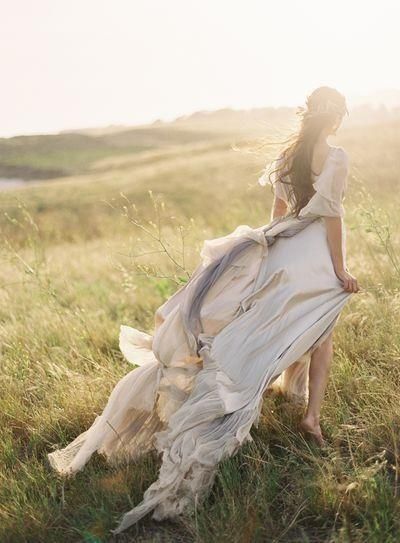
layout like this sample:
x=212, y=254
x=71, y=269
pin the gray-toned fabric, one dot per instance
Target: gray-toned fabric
x=205, y=277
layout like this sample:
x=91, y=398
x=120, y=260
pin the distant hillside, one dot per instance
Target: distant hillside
x=50, y=156
x=377, y=108
x=388, y=98
x=70, y=153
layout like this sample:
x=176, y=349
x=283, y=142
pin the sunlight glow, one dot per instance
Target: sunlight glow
x=68, y=64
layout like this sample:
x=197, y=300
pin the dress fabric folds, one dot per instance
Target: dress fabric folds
x=258, y=303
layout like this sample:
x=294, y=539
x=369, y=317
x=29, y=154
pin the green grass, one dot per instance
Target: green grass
x=50, y=156
x=69, y=278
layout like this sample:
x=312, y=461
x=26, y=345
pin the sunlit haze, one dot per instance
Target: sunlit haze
x=71, y=64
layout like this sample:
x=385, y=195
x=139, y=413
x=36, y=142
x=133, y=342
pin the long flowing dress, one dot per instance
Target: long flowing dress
x=259, y=302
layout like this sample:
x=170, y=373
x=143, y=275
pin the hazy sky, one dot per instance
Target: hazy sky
x=78, y=63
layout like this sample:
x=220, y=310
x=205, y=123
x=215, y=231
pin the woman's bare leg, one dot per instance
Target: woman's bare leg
x=320, y=364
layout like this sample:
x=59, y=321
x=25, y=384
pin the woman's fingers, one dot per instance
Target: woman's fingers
x=350, y=283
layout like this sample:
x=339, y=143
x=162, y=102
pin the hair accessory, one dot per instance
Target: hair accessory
x=324, y=108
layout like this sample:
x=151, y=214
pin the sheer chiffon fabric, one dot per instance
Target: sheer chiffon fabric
x=259, y=302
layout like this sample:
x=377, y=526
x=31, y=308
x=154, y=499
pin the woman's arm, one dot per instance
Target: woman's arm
x=279, y=208
x=334, y=227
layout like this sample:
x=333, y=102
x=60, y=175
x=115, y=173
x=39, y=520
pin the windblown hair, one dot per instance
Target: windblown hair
x=323, y=107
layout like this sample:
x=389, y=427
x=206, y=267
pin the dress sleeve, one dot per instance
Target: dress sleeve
x=280, y=189
x=330, y=189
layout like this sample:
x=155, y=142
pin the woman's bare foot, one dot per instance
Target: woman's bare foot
x=311, y=428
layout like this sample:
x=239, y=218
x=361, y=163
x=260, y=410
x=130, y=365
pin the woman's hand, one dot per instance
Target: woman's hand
x=350, y=283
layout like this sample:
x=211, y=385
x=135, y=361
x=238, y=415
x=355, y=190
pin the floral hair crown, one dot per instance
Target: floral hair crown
x=327, y=107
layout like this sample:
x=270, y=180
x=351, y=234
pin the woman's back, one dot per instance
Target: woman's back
x=329, y=185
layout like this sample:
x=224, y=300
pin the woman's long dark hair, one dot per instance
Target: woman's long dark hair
x=324, y=106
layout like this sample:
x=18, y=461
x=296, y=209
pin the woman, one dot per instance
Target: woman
x=258, y=311
x=321, y=118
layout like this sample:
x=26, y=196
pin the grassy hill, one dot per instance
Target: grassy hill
x=85, y=253
x=68, y=153
x=49, y=156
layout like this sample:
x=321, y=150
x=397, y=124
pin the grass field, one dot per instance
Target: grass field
x=92, y=250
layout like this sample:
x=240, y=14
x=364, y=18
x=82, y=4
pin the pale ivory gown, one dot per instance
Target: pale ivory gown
x=260, y=300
